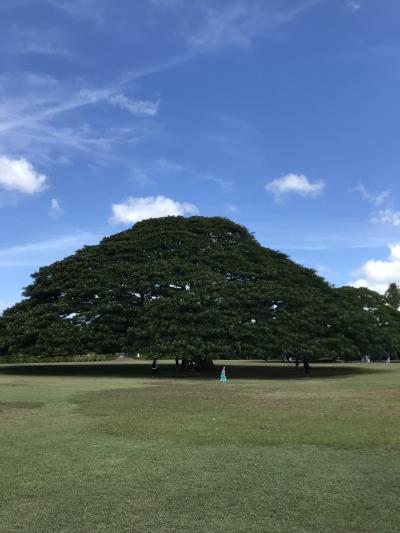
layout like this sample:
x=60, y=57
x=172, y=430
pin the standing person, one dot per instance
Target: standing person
x=223, y=375
x=307, y=367
x=154, y=367
x=177, y=362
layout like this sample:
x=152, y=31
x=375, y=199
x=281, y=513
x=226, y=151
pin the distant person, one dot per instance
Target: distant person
x=297, y=361
x=388, y=359
x=223, y=375
x=183, y=364
x=306, y=366
x=177, y=362
x=154, y=367
x=138, y=355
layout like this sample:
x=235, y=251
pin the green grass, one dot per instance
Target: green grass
x=105, y=447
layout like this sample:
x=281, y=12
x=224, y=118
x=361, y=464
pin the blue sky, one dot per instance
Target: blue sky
x=280, y=114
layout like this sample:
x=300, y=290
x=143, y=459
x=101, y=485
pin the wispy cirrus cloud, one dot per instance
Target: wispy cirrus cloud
x=41, y=116
x=210, y=25
x=225, y=185
x=239, y=22
x=353, y=5
x=166, y=165
x=43, y=252
x=136, y=107
x=374, y=198
x=24, y=41
x=85, y=10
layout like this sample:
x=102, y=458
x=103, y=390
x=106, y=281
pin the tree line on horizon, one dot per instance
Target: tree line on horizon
x=200, y=288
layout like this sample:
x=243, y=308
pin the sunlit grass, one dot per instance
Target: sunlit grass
x=184, y=453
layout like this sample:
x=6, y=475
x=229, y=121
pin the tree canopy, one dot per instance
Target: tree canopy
x=196, y=287
x=392, y=296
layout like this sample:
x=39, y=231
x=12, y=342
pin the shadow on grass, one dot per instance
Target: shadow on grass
x=143, y=370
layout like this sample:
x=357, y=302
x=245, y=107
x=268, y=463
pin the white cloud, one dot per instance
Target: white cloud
x=353, y=5
x=294, y=184
x=136, y=209
x=233, y=24
x=43, y=252
x=166, y=4
x=377, y=274
x=136, y=107
x=19, y=175
x=237, y=22
x=165, y=165
x=90, y=10
x=38, y=118
x=225, y=185
x=30, y=41
x=386, y=216
x=55, y=208
x=376, y=199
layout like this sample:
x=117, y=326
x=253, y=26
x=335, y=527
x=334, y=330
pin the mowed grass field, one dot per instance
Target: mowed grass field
x=106, y=447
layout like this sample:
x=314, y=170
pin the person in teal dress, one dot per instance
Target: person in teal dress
x=223, y=375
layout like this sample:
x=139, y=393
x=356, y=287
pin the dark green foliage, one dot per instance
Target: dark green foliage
x=195, y=287
x=392, y=296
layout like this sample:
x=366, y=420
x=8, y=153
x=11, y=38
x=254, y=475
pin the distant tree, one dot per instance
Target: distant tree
x=392, y=296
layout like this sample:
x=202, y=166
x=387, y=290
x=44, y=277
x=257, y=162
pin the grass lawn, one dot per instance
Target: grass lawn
x=106, y=447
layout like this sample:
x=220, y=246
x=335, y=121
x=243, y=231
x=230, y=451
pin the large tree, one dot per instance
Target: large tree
x=196, y=287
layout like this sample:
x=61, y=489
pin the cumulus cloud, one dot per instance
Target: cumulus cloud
x=386, y=216
x=294, y=184
x=136, y=209
x=377, y=274
x=19, y=175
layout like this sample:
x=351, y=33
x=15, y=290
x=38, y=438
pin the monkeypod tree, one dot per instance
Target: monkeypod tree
x=193, y=287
